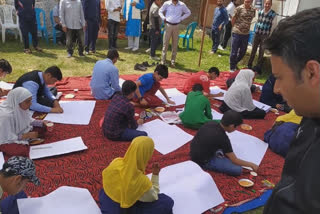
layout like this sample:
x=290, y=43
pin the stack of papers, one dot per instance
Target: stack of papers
x=175, y=95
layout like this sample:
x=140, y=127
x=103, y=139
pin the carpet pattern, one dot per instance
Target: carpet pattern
x=83, y=169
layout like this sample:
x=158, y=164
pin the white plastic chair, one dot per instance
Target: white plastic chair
x=8, y=23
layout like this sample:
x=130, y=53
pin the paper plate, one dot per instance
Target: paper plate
x=246, y=127
x=245, y=182
x=36, y=141
x=160, y=109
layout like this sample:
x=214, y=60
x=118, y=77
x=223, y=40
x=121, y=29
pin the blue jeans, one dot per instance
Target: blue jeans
x=155, y=41
x=163, y=205
x=238, y=49
x=215, y=35
x=9, y=204
x=220, y=163
x=130, y=134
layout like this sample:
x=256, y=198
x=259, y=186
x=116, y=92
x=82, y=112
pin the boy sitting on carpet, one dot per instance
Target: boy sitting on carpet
x=211, y=147
x=14, y=176
x=148, y=85
x=203, y=78
x=119, y=123
x=197, y=110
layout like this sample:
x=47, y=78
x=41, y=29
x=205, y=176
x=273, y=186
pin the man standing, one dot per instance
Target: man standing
x=113, y=8
x=263, y=29
x=5, y=68
x=36, y=82
x=294, y=47
x=230, y=9
x=172, y=12
x=155, y=31
x=105, y=77
x=241, y=23
x=57, y=23
x=73, y=24
x=27, y=23
x=132, y=14
x=91, y=10
x=220, y=18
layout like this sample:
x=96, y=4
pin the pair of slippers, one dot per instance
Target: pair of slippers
x=143, y=67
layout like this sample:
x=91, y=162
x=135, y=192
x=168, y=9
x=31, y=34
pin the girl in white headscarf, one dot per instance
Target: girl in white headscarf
x=239, y=98
x=16, y=123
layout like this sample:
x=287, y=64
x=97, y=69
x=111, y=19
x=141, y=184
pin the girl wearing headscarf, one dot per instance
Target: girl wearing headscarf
x=126, y=188
x=16, y=123
x=239, y=98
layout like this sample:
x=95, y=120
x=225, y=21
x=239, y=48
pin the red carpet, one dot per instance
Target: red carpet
x=83, y=169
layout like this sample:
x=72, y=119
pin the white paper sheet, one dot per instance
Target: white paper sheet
x=6, y=86
x=64, y=200
x=168, y=139
x=258, y=104
x=192, y=189
x=247, y=147
x=175, y=95
x=57, y=148
x=121, y=81
x=1, y=160
x=74, y=112
x=216, y=115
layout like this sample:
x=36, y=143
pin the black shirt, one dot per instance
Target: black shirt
x=210, y=138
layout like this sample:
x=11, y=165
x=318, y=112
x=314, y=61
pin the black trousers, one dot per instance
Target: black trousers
x=45, y=101
x=113, y=29
x=257, y=113
x=26, y=27
x=63, y=34
x=155, y=41
x=227, y=34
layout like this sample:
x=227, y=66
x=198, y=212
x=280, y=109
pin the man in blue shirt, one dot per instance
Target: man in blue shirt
x=220, y=18
x=148, y=85
x=36, y=82
x=91, y=9
x=105, y=77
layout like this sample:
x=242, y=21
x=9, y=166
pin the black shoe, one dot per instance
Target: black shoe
x=139, y=67
x=146, y=64
x=81, y=54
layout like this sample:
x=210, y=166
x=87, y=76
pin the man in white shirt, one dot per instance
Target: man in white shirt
x=173, y=12
x=230, y=9
x=113, y=8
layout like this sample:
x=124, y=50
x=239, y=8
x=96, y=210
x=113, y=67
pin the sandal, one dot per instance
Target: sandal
x=27, y=51
x=38, y=49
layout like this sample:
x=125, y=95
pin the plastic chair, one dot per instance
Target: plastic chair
x=54, y=33
x=8, y=23
x=41, y=24
x=189, y=34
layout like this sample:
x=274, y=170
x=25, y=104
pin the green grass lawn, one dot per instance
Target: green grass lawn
x=12, y=51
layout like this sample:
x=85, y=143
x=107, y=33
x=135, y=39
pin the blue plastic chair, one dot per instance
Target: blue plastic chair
x=41, y=26
x=189, y=34
x=54, y=33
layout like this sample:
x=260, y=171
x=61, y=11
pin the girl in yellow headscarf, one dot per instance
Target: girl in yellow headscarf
x=127, y=189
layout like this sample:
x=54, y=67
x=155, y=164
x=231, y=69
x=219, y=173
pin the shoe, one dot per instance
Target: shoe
x=231, y=71
x=69, y=55
x=148, y=50
x=135, y=49
x=128, y=48
x=139, y=67
x=86, y=52
x=211, y=52
x=81, y=54
x=220, y=48
x=155, y=58
x=38, y=49
x=93, y=51
x=173, y=64
x=27, y=51
x=146, y=64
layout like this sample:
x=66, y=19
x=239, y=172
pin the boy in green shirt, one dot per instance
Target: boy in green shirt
x=197, y=110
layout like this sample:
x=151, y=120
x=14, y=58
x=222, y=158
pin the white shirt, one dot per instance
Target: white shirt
x=110, y=6
x=230, y=9
x=174, y=13
x=71, y=14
